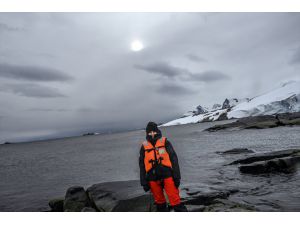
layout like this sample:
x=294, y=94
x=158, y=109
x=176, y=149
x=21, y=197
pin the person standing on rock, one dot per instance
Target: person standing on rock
x=159, y=170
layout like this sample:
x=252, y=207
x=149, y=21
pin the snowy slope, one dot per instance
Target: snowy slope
x=281, y=100
x=210, y=116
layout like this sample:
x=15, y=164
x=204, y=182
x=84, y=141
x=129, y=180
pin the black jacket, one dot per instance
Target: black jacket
x=161, y=171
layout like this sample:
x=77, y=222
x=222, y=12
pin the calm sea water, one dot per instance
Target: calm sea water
x=33, y=173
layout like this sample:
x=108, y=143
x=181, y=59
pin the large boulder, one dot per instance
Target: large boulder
x=76, y=199
x=120, y=196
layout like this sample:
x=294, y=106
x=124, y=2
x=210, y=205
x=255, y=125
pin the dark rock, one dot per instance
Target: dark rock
x=284, y=165
x=223, y=116
x=205, y=198
x=226, y=104
x=88, y=209
x=121, y=196
x=236, y=151
x=76, y=199
x=207, y=119
x=289, y=118
x=225, y=205
x=260, y=122
x=266, y=156
x=57, y=205
x=195, y=208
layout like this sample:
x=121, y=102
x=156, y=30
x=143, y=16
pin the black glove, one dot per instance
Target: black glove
x=146, y=187
x=177, y=182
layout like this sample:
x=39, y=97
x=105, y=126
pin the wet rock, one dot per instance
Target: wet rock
x=57, y=205
x=284, y=165
x=121, y=196
x=88, y=209
x=205, y=198
x=225, y=205
x=267, y=156
x=76, y=199
x=195, y=208
x=236, y=151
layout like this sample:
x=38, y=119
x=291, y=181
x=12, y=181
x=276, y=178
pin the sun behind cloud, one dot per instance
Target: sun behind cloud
x=136, y=46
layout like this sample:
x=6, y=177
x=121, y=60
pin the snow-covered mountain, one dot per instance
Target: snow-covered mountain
x=284, y=99
x=281, y=100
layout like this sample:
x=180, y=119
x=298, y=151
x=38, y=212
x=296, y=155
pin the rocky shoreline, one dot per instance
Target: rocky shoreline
x=128, y=196
x=260, y=122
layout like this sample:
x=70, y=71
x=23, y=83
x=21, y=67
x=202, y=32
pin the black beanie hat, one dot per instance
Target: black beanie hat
x=151, y=126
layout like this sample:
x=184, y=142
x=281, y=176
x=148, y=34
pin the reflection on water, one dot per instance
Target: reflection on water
x=33, y=173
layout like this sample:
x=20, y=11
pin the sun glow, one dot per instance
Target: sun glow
x=136, y=46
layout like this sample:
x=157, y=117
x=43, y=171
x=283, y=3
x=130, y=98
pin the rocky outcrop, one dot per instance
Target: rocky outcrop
x=128, y=196
x=267, y=156
x=284, y=161
x=236, y=151
x=260, y=122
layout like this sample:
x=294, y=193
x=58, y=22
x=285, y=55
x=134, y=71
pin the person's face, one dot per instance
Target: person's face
x=152, y=133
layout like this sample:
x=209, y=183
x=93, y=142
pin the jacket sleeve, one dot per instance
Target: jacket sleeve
x=174, y=160
x=143, y=179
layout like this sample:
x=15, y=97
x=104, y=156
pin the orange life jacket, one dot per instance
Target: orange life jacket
x=156, y=154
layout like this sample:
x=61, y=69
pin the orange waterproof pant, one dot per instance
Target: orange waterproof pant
x=170, y=189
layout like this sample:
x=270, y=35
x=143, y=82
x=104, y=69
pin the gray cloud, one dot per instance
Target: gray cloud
x=174, y=89
x=110, y=92
x=32, y=73
x=195, y=58
x=210, y=76
x=296, y=57
x=165, y=69
x=31, y=90
x=5, y=27
x=47, y=110
x=162, y=68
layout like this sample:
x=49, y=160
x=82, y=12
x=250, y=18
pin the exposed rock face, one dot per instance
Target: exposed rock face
x=216, y=106
x=236, y=151
x=200, y=110
x=280, y=161
x=76, y=199
x=289, y=118
x=260, y=122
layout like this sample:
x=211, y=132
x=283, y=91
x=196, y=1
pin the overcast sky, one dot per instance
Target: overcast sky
x=64, y=73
